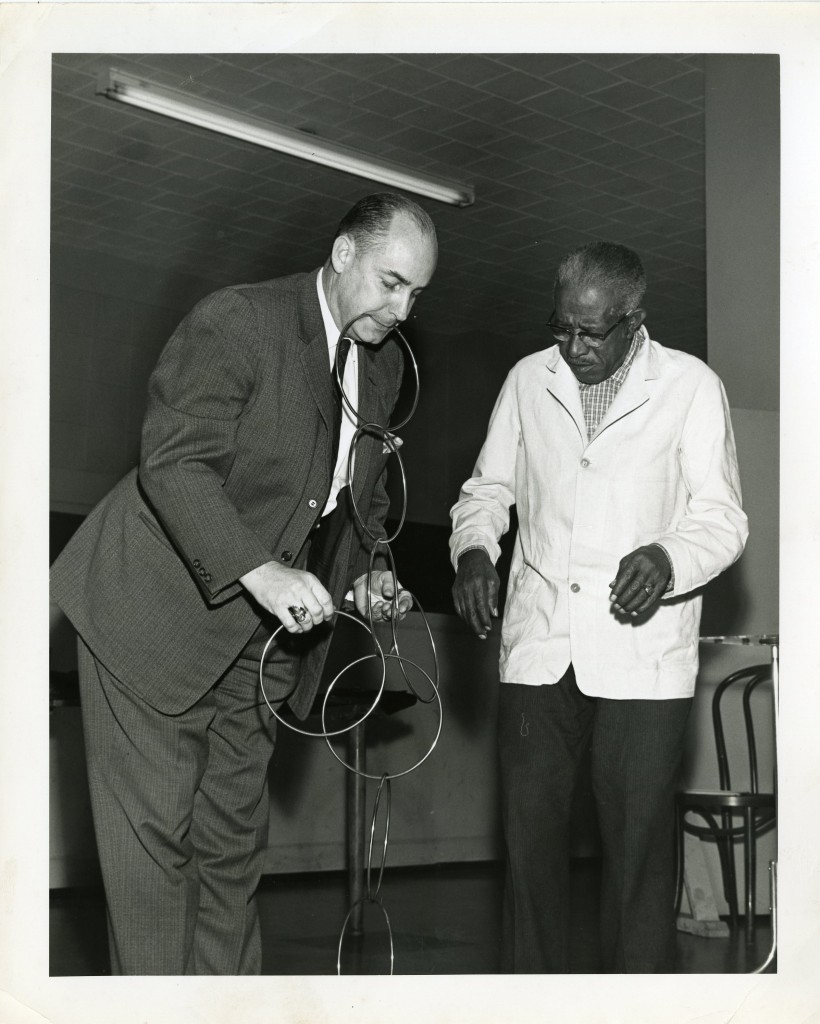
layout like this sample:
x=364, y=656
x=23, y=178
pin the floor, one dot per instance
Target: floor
x=444, y=920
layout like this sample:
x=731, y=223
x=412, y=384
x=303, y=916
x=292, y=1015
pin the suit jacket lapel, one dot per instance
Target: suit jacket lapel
x=314, y=355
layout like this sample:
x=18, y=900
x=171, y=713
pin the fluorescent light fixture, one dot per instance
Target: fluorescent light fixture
x=126, y=88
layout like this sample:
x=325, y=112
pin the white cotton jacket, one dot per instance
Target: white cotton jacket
x=661, y=467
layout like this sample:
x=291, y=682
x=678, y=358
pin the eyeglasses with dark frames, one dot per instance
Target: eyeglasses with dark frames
x=562, y=333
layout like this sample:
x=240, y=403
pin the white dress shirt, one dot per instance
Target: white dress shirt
x=350, y=384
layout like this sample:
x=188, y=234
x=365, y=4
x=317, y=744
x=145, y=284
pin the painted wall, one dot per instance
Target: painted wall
x=109, y=321
x=742, y=258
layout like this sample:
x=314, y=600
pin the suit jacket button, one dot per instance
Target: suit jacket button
x=202, y=572
x=197, y=563
x=207, y=577
x=286, y=556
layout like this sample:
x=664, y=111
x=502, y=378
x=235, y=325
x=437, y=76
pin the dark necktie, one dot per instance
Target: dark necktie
x=343, y=349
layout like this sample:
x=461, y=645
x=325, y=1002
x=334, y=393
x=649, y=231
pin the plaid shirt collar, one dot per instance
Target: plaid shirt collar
x=597, y=398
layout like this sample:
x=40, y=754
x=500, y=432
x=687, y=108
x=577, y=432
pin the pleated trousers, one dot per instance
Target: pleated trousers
x=636, y=745
x=180, y=807
x=180, y=802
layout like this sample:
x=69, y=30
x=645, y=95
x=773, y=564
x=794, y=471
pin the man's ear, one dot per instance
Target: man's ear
x=342, y=253
x=636, y=318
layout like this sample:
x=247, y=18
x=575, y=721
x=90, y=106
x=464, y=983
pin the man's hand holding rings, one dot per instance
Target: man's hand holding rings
x=294, y=596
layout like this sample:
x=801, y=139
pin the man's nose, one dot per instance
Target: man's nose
x=400, y=307
x=576, y=346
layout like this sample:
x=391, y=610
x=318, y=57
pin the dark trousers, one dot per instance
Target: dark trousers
x=180, y=802
x=636, y=750
x=180, y=806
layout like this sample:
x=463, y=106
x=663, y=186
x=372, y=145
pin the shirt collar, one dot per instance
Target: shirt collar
x=619, y=376
x=331, y=330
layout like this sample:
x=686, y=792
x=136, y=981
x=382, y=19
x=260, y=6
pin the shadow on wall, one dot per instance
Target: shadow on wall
x=725, y=603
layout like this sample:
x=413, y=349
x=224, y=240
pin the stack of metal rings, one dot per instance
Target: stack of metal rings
x=380, y=547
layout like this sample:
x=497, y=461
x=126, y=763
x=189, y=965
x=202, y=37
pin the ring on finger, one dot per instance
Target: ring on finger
x=298, y=612
x=648, y=588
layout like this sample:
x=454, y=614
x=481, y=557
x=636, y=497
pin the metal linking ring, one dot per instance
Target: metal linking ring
x=376, y=901
x=351, y=725
x=384, y=436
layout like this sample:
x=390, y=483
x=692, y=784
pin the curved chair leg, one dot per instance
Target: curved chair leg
x=724, y=849
x=730, y=877
x=750, y=868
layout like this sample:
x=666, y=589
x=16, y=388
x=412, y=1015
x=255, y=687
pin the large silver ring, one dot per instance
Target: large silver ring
x=648, y=589
x=300, y=613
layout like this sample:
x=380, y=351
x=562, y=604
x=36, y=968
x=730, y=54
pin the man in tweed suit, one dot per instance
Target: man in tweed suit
x=237, y=519
x=619, y=456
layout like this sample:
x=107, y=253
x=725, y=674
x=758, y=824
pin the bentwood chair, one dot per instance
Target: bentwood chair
x=730, y=815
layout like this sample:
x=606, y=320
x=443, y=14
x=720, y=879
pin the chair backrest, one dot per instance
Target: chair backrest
x=749, y=678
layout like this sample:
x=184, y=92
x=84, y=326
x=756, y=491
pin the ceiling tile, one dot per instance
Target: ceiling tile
x=492, y=109
x=624, y=95
x=535, y=179
x=279, y=96
x=575, y=140
x=450, y=95
x=536, y=126
x=343, y=88
x=651, y=69
x=599, y=117
x=515, y=86
x=228, y=80
x=365, y=66
x=479, y=133
x=558, y=102
x=584, y=78
x=440, y=119
x=692, y=127
x=389, y=102
x=541, y=65
x=688, y=87
x=324, y=116
x=648, y=168
x=456, y=154
x=663, y=111
x=607, y=60
x=613, y=154
x=640, y=134
x=470, y=69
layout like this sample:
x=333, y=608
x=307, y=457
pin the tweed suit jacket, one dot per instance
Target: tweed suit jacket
x=235, y=469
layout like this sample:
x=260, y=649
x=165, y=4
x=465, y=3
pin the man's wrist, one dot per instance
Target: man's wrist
x=671, y=584
x=472, y=547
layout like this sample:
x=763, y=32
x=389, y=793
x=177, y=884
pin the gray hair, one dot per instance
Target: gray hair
x=607, y=265
x=369, y=220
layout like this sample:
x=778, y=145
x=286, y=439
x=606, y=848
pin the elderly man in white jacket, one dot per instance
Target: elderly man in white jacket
x=619, y=456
